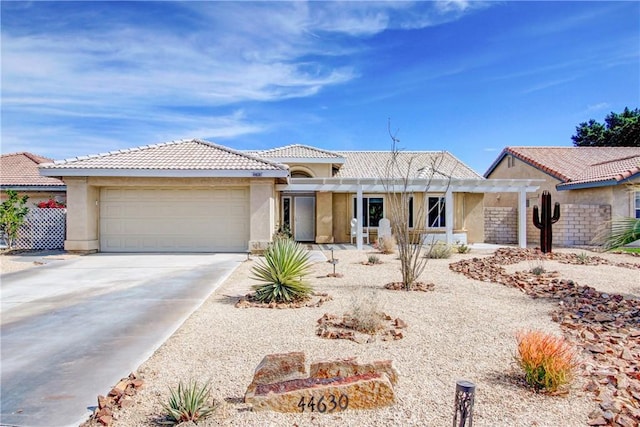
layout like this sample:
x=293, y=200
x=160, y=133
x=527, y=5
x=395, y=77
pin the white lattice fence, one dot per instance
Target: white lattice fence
x=43, y=228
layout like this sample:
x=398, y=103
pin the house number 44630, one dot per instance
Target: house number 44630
x=322, y=405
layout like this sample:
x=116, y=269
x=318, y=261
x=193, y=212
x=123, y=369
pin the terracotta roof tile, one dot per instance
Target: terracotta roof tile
x=418, y=164
x=176, y=155
x=21, y=169
x=573, y=165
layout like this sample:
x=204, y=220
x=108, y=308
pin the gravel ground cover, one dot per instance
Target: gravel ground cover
x=463, y=329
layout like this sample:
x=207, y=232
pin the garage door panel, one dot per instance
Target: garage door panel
x=164, y=220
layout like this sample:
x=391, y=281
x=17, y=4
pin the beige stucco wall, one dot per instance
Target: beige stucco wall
x=324, y=217
x=341, y=225
x=316, y=170
x=520, y=170
x=473, y=217
x=262, y=199
x=83, y=212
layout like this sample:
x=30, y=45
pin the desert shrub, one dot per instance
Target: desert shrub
x=373, y=259
x=583, y=258
x=283, y=233
x=462, y=248
x=387, y=245
x=190, y=402
x=282, y=271
x=439, y=250
x=548, y=361
x=537, y=268
x=365, y=315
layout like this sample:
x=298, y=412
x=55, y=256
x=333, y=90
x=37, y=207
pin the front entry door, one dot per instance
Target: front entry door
x=304, y=213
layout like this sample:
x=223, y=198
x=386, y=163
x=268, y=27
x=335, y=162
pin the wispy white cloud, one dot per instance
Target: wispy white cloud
x=115, y=64
x=598, y=107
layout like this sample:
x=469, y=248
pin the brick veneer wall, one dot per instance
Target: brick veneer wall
x=577, y=226
x=500, y=225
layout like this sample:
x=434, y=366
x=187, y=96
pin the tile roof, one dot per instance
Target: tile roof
x=192, y=154
x=418, y=164
x=21, y=169
x=298, y=151
x=580, y=165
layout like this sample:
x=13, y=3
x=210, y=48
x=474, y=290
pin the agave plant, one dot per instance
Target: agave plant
x=188, y=403
x=282, y=271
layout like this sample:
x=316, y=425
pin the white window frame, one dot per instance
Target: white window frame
x=635, y=204
x=365, y=221
x=442, y=215
x=410, y=208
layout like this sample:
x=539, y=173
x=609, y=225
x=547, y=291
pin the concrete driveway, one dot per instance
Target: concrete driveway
x=71, y=329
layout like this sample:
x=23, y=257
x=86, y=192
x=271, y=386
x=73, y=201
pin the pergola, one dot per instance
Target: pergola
x=446, y=186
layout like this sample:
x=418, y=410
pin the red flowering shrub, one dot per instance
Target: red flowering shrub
x=51, y=203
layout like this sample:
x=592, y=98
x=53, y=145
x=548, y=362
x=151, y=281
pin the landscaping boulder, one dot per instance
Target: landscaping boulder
x=331, y=386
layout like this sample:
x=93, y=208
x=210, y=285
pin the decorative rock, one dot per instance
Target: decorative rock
x=625, y=421
x=349, y=367
x=599, y=421
x=118, y=397
x=605, y=325
x=331, y=387
x=277, y=368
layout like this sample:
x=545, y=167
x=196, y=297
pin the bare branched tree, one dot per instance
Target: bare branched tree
x=407, y=212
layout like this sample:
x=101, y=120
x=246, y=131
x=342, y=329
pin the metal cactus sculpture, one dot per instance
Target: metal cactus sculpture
x=544, y=221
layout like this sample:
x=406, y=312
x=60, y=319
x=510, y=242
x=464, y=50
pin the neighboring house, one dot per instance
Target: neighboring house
x=19, y=172
x=196, y=196
x=42, y=228
x=592, y=185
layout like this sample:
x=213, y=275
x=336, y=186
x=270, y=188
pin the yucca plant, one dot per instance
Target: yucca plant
x=285, y=265
x=188, y=402
x=548, y=361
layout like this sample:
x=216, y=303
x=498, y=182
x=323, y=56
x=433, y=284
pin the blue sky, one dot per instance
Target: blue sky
x=469, y=77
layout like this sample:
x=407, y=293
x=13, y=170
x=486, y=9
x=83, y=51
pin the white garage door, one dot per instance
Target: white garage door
x=174, y=220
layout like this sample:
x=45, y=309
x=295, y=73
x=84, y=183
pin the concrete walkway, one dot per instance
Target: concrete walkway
x=71, y=329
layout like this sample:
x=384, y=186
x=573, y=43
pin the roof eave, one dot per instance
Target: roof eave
x=164, y=173
x=595, y=184
x=18, y=187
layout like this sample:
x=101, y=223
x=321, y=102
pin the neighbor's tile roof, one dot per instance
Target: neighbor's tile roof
x=298, y=151
x=412, y=164
x=581, y=165
x=21, y=169
x=190, y=154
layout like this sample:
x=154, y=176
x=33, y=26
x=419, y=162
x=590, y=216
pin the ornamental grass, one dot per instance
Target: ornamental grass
x=548, y=361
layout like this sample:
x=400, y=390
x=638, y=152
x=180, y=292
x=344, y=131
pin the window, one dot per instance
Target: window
x=637, y=210
x=286, y=213
x=410, y=211
x=436, y=212
x=372, y=210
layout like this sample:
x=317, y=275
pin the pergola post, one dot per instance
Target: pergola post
x=522, y=218
x=359, y=218
x=448, y=215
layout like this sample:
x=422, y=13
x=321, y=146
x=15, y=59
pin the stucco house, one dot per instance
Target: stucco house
x=197, y=196
x=19, y=172
x=592, y=185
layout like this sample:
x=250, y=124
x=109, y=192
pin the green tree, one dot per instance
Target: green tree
x=12, y=213
x=618, y=130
